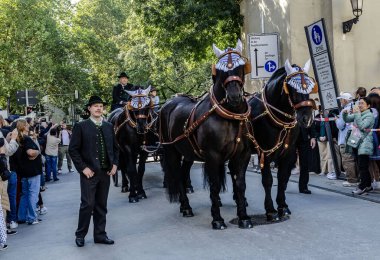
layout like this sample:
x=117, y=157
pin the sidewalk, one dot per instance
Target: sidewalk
x=321, y=182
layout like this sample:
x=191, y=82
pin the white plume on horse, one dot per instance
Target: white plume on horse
x=140, y=97
x=237, y=60
x=296, y=81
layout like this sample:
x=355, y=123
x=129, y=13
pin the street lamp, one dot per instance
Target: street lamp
x=357, y=10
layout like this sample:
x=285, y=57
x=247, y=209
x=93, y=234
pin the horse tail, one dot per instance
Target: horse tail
x=221, y=178
x=172, y=177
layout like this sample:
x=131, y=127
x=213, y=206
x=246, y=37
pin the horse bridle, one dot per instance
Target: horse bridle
x=247, y=67
x=286, y=126
x=304, y=103
x=128, y=119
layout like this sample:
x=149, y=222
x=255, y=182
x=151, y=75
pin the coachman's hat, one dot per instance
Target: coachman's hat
x=123, y=75
x=95, y=100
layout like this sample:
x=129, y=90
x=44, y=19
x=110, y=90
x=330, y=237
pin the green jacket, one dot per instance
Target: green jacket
x=363, y=121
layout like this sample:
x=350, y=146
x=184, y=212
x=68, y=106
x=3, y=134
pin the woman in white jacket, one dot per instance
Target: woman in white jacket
x=7, y=149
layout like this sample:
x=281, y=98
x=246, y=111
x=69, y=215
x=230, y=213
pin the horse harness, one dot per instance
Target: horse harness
x=284, y=136
x=191, y=124
x=129, y=120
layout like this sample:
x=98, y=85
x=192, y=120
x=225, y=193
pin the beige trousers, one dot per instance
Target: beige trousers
x=327, y=164
x=349, y=165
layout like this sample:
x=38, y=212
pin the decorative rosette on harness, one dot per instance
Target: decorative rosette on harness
x=299, y=80
x=140, y=99
x=230, y=58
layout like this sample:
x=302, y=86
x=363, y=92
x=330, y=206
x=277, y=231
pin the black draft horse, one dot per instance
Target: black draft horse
x=210, y=130
x=276, y=117
x=133, y=126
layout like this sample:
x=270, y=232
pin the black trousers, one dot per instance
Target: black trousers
x=303, y=149
x=94, y=195
x=365, y=176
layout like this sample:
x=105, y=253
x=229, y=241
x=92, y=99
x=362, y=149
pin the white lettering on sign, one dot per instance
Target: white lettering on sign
x=322, y=66
x=263, y=55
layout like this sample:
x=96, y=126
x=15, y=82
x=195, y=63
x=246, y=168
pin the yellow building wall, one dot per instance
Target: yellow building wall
x=356, y=55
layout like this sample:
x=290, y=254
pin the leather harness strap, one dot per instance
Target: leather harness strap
x=129, y=120
x=306, y=103
x=233, y=78
x=191, y=125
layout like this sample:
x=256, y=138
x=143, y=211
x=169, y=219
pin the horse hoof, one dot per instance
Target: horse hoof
x=133, y=199
x=142, y=195
x=218, y=225
x=189, y=190
x=284, y=212
x=245, y=223
x=273, y=217
x=124, y=189
x=287, y=211
x=187, y=213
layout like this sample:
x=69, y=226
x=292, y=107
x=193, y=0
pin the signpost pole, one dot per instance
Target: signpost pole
x=26, y=102
x=325, y=75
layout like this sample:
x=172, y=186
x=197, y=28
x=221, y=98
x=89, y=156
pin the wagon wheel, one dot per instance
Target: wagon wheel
x=115, y=179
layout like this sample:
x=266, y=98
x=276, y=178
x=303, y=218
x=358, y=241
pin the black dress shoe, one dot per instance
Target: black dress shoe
x=305, y=191
x=79, y=241
x=105, y=241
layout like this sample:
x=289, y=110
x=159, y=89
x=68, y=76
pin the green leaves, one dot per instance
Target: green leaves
x=56, y=48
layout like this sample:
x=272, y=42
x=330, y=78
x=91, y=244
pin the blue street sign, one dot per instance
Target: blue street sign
x=317, y=35
x=270, y=66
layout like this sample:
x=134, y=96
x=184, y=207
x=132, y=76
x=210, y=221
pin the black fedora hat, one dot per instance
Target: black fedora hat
x=95, y=100
x=123, y=74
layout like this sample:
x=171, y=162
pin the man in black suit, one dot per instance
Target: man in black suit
x=119, y=94
x=95, y=155
x=305, y=142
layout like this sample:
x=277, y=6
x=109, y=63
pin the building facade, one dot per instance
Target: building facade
x=356, y=54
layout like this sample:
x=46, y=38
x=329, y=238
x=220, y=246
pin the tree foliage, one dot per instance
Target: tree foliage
x=56, y=47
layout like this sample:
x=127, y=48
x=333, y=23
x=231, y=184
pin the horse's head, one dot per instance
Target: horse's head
x=298, y=85
x=140, y=106
x=229, y=71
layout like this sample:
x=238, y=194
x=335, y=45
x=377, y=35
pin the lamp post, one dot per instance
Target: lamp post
x=357, y=10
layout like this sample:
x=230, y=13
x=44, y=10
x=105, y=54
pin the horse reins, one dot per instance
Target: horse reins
x=190, y=125
x=130, y=121
x=286, y=126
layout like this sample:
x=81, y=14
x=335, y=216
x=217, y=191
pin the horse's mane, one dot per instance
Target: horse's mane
x=191, y=97
x=277, y=77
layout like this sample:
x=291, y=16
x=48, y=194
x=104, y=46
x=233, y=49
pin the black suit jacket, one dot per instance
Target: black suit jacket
x=83, y=145
x=117, y=93
x=306, y=134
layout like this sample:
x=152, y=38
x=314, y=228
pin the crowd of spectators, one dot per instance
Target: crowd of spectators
x=30, y=150
x=355, y=136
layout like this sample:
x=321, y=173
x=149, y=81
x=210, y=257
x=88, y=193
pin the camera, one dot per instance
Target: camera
x=4, y=172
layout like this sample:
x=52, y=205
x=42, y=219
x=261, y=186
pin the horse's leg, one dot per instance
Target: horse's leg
x=215, y=172
x=132, y=175
x=185, y=171
x=267, y=182
x=234, y=174
x=123, y=170
x=140, y=175
x=176, y=184
x=239, y=166
x=284, y=171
